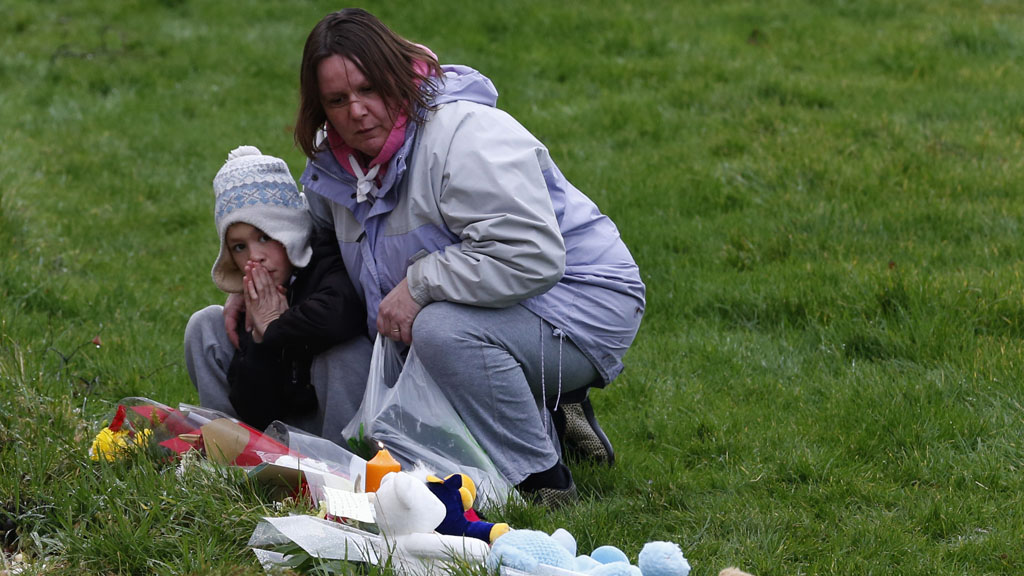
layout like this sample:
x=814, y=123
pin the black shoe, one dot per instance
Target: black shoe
x=552, y=488
x=553, y=497
x=580, y=434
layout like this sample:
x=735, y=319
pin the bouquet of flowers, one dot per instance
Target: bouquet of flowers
x=141, y=423
x=292, y=462
x=118, y=438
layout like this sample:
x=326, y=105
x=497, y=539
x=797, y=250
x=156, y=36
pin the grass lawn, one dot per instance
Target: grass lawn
x=824, y=197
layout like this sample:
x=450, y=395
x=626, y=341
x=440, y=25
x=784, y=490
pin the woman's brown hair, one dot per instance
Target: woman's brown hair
x=385, y=59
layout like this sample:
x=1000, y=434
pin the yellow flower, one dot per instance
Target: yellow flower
x=111, y=445
x=108, y=443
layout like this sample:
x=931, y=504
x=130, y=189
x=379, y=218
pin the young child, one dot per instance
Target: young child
x=298, y=300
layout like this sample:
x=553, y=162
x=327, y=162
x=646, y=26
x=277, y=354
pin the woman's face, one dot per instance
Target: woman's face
x=354, y=108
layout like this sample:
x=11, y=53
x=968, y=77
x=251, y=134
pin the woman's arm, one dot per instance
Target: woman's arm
x=495, y=198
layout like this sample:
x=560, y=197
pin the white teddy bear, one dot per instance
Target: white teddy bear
x=407, y=514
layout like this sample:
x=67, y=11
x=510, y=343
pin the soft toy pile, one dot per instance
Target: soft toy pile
x=426, y=533
x=535, y=552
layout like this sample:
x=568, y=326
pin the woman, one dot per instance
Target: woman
x=465, y=240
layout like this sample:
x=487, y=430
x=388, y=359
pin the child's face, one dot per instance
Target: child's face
x=248, y=243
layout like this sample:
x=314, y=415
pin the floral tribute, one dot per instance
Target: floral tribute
x=140, y=423
x=117, y=439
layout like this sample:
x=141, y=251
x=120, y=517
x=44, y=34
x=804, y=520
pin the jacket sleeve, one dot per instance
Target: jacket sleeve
x=327, y=309
x=256, y=382
x=493, y=195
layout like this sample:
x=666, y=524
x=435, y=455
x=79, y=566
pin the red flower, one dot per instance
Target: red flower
x=118, y=421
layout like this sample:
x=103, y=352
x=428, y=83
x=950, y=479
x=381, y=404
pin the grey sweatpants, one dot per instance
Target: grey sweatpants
x=338, y=374
x=495, y=365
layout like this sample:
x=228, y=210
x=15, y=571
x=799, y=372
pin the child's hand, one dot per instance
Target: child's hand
x=264, y=300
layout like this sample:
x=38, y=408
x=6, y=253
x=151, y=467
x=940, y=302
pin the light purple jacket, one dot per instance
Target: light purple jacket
x=473, y=210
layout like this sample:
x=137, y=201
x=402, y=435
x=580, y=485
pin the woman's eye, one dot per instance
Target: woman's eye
x=265, y=238
x=238, y=248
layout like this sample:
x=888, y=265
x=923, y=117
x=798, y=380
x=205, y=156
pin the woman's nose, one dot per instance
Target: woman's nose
x=357, y=109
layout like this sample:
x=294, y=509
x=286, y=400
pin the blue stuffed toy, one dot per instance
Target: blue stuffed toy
x=663, y=559
x=457, y=492
x=526, y=550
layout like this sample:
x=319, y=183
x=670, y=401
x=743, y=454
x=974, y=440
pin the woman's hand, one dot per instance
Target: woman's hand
x=264, y=300
x=396, y=313
x=234, y=308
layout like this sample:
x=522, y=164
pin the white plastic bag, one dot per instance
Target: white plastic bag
x=405, y=410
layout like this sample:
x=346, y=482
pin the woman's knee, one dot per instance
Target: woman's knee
x=436, y=326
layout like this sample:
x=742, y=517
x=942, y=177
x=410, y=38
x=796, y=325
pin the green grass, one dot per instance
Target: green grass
x=823, y=197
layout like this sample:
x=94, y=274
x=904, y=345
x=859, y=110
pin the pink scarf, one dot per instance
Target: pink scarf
x=342, y=150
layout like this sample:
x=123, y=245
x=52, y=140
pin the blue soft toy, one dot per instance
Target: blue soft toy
x=609, y=554
x=663, y=559
x=457, y=492
x=615, y=569
x=526, y=550
x=606, y=561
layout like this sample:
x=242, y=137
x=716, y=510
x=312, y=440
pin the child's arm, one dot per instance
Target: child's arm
x=257, y=379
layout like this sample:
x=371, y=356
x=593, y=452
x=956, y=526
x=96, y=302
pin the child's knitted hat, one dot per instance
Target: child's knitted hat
x=260, y=191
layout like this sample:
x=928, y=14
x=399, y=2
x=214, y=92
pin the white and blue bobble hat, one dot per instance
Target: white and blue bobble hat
x=260, y=191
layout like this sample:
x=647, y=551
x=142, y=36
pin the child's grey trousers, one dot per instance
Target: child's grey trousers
x=338, y=374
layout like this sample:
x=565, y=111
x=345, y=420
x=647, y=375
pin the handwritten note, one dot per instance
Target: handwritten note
x=347, y=504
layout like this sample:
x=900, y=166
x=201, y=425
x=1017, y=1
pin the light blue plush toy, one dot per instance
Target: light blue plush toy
x=526, y=550
x=663, y=559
